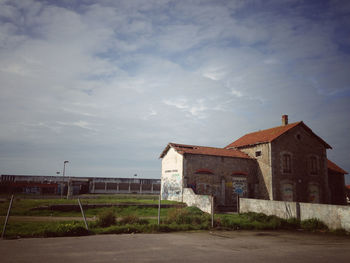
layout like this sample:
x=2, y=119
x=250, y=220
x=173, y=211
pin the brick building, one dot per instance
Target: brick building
x=286, y=163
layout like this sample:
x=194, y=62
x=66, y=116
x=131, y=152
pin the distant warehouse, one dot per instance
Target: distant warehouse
x=56, y=185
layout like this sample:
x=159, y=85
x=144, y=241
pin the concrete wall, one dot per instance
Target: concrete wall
x=172, y=176
x=334, y=216
x=203, y=202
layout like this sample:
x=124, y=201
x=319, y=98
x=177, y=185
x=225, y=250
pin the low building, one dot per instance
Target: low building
x=285, y=163
x=58, y=185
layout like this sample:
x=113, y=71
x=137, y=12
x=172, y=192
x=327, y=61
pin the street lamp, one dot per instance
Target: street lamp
x=58, y=173
x=64, y=170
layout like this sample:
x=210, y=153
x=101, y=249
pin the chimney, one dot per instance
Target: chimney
x=284, y=120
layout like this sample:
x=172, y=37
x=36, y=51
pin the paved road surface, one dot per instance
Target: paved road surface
x=218, y=246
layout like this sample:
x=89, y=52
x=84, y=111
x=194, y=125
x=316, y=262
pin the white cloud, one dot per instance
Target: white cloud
x=109, y=76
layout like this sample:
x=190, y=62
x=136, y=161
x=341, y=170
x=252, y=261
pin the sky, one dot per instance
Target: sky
x=107, y=84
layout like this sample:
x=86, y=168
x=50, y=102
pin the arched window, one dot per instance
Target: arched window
x=286, y=163
x=204, y=171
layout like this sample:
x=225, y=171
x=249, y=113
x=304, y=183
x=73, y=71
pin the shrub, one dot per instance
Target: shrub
x=313, y=224
x=106, y=218
x=132, y=219
x=188, y=215
x=66, y=229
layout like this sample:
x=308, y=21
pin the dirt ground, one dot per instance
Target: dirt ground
x=205, y=246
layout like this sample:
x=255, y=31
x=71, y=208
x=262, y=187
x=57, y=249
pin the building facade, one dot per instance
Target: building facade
x=285, y=163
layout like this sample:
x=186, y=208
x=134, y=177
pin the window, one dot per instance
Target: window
x=314, y=193
x=257, y=153
x=313, y=165
x=286, y=163
x=287, y=192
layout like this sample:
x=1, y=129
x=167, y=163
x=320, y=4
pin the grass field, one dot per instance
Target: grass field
x=23, y=206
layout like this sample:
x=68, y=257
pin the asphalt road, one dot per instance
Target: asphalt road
x=217, y=246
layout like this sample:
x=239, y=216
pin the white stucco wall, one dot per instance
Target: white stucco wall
x=334, y=216
x=172, y=176
x=203, y=202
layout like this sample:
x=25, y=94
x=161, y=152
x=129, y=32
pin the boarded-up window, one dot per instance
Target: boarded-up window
x=313, y=165
x=286, y=163
x=287, y=192
x=314, y=193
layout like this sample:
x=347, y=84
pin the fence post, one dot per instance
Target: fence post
x=238, y=204
x=212, y=211
x=159, y=210
x=7, y=217
x=82, y=212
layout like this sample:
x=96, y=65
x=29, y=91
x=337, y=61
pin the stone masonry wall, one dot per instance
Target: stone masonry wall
x=264, y=168
x=301, y=146
x=219, y=183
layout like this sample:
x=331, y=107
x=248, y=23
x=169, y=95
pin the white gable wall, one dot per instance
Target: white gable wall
x=172, y=176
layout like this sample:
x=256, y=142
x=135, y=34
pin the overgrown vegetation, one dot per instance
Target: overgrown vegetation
x=188, y=215
x=133, y=219
x=45, y=229
x=106, y=218
x=313, y=224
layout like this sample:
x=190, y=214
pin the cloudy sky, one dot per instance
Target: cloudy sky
x=107, y=84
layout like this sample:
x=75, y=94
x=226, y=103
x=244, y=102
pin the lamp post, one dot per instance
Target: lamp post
x=64, y=170
x=58, y=173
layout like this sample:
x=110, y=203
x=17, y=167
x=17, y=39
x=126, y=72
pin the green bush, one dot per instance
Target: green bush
x=106, y=218
x=313, y=224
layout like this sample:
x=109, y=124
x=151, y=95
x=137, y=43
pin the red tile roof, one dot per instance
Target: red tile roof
x=332, y=166
x=269, y=135
x=193, y=149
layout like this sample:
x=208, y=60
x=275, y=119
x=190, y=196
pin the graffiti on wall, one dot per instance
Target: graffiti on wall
x=287, y=192
x=314, y=195
x=239, y=186
x=171, y=186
